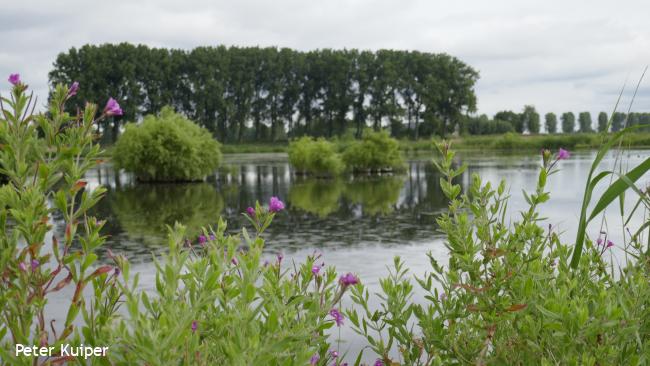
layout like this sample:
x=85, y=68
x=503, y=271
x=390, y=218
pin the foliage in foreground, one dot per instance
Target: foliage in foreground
x=214, y=302
x=508, y=294
x=167, y=147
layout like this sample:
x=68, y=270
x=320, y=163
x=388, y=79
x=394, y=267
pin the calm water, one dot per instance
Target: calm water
x=358, y=224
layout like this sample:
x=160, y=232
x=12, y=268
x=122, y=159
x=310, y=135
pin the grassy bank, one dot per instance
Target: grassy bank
x=482, y=143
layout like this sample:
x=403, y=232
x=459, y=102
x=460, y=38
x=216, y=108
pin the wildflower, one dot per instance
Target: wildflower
x=314, y=359
x=443, y=296
x=348, y=279
x=74, y=88
x=315, y=269
x=266, y=263
x=599, y=241
x=212, y=237
x=275, y=205
x=338, y=318
x=334, y=354
x=22, y=266
x=195, y=325
x=379, y=362
x=35, y=263
x=117, y=271
x=112, y=108
x=563, y=154
x=14, y=79
x=250, y=211
x=609, y=244
x=280, y=257
x=202, y=239
x=234, y=261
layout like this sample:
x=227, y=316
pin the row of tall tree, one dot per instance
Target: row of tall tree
x=529, y=121
x=253, y=94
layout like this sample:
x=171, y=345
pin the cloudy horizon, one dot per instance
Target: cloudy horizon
x=558, y=56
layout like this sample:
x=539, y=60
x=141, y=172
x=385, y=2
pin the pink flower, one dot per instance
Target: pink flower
x=609, y=244
x=14, y=79
x=74, y=88
x=334, y=354
x=250, y=211
x=314, y=359
x=563, y=154
x=315, y=269
x=379, y=362
x=275, y=205
x=234, y=261
x=112, y=108
x=22, y=266
x=599, y=241
x=35, y=263
x=202, y=239
x=338, y=318
x=195, y=326
x=348, y=279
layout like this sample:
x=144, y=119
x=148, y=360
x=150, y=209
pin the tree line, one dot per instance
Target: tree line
x=529, y=121
x=266, y=94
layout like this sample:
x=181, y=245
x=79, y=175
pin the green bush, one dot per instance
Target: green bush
x=376, y=151
x=166, y=148
x=317, y=157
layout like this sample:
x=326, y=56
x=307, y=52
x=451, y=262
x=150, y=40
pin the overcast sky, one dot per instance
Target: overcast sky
x=557, y=55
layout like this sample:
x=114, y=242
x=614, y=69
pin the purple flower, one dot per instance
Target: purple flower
x=195, y=326
x=599, y=241
x=338, y=318
x=348, y=279
x=22, y=266
x=74, y=88
x=202, y=239
x=117, y=271
x=379, y=362
x=35, y=263
x=563, y=154
x=334, y=353
x=250, y=211
x=314, y=359
x=609, y=244
x=212, y=237
x=280, y=257
x=275, y=205
x=443, y=296
x=14, y=79
x=234, y=261
x=315, y=269
x=112, y=108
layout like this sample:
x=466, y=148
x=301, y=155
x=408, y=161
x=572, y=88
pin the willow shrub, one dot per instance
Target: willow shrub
x=508, y=294
x=315, y=157
x=166, y=148
x=375, y=152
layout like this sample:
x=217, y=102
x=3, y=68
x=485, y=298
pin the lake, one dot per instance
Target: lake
x=357, y=224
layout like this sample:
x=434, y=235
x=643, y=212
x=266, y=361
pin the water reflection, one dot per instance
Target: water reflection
x=144, y=211
x=322, y=213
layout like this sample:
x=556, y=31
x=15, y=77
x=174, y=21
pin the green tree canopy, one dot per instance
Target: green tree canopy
x=550, y=122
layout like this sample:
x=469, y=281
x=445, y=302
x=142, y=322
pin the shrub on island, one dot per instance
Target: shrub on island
x=316, y=157
x=376, y=152
x=167, y=148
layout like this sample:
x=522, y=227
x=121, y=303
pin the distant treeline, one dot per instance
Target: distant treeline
x=529, y=121
x=266, y=94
